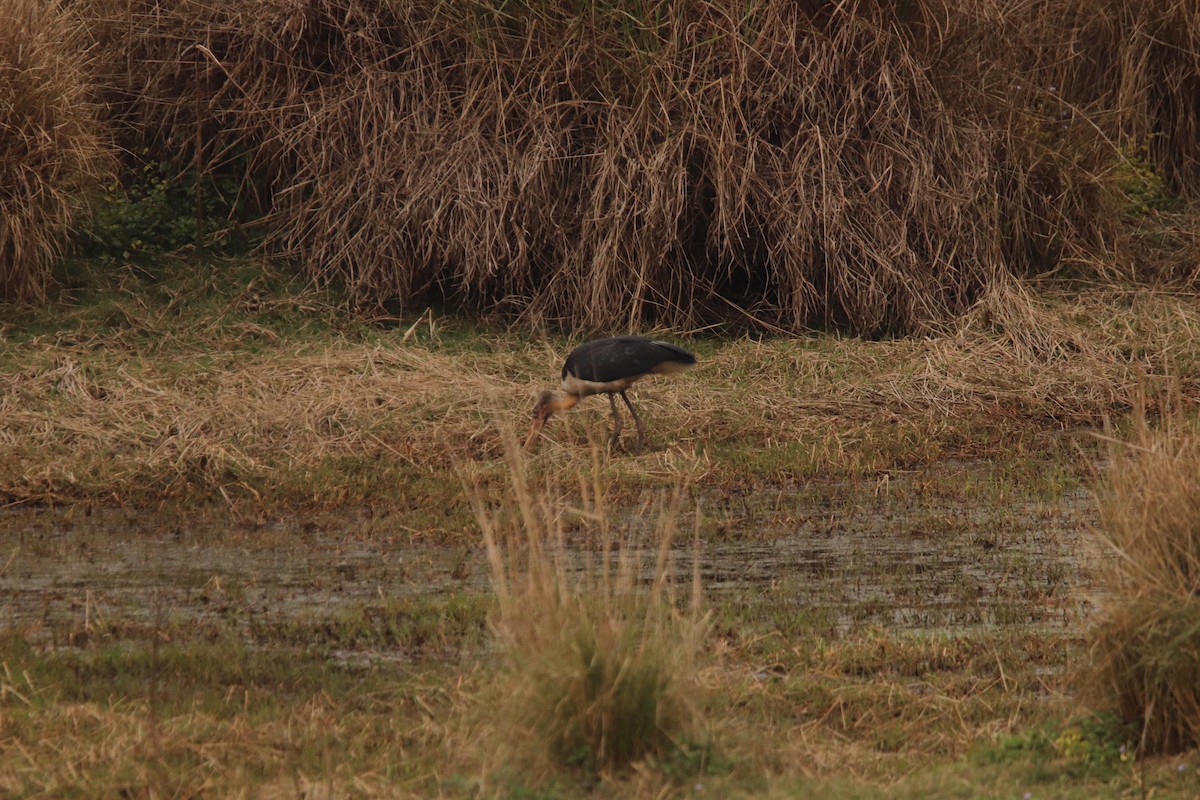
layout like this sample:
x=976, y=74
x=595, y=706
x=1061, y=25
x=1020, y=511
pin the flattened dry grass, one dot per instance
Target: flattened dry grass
x=870, y=707
x=142, y=396
x=229, y=422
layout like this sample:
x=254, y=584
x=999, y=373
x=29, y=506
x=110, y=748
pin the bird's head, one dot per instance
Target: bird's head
x=542, y=411
x=547, y=405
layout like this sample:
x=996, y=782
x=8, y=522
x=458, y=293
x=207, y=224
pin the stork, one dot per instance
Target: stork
x=609, y=366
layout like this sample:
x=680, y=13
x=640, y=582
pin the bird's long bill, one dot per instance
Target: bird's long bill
x=535, y=430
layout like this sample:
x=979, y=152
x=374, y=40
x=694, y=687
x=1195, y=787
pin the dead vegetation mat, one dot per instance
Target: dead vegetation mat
x=126, y=401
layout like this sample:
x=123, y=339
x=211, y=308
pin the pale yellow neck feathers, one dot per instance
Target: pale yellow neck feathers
x=562, y=403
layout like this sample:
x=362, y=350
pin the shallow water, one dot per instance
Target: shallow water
x=936, y=566
x=836, y=557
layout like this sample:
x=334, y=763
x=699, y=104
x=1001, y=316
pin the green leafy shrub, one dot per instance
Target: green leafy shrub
x=1143, y=188
x=153, y=211
x=1098, y=742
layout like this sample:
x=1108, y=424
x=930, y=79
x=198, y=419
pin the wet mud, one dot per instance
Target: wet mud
x=834, y=558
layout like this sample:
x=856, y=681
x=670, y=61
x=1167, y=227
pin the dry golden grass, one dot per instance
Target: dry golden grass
x=598, y=659
x=1147, y=646
x=126, y=746
x=51, y=146
x=1132, y=73
x=856, y=164
x=224, y=406
x=229, y=425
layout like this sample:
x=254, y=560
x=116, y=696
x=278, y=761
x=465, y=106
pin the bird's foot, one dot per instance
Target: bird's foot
x=635, y=449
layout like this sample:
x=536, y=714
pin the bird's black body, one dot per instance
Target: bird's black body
x=610, y=366
x=620, y=358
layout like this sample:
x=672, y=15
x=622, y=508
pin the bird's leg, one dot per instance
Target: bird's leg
x=616, y=434
x=637, y=420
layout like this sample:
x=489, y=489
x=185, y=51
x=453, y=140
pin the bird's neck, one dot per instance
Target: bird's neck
x=563, y=402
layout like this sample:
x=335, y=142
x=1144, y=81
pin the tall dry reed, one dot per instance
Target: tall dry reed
x=598, y=659
x=51, y=148
x=607, y=166
x=1147, y=647
x=1128, y=69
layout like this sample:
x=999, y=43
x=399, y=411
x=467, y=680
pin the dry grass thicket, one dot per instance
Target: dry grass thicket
x=51, y=150
x=1133, y=73
x=610, y=165
x=598, y=658
x=1147, y=648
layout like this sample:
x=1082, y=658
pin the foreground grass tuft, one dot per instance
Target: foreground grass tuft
x=1148, y=647
x=598, y=660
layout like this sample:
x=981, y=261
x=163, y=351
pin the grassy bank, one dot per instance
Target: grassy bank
x=870, y=716
x=244, y=559
x=227, y=383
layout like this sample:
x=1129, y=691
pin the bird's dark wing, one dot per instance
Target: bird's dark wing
x=677, y=353
x=604, y=360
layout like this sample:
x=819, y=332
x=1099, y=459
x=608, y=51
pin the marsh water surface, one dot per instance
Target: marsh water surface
x=895, y=556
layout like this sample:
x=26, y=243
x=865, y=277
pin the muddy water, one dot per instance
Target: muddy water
x=938, y=565
x=835, y=557
x=66, y=576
